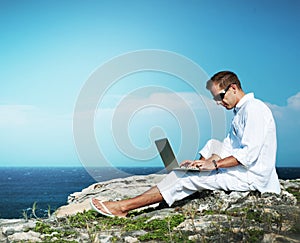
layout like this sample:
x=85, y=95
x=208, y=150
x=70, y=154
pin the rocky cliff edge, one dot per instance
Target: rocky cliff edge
x=209, y=216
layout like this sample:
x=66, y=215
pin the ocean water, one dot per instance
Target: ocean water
x=48, y=188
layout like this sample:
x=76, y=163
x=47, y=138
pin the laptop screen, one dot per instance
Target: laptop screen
x=166, y=154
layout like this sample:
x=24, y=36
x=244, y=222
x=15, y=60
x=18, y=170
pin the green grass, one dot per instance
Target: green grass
x=235, y=225
x=295, y=192
x=156, y=229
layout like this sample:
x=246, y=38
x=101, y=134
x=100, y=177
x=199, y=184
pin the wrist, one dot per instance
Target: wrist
x=215, y=164
x=216, y=157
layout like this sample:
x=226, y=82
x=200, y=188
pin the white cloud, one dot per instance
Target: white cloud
x=16, y=114
x=289, y=114
x=287, y=120
x=170, y=100
x=23, y=115
x=294, y=102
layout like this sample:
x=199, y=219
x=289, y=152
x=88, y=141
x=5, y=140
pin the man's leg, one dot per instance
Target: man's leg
x=175, y=186
x=121, y=208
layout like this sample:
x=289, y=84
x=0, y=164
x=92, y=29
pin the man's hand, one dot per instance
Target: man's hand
x=200, y=164
x=204, y=164
x=186, y=163
x=207, y=164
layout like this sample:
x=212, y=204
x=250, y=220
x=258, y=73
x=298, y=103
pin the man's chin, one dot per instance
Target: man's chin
x=227, y=107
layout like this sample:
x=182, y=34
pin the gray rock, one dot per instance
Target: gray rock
x=12, y=226
x=210, y=216
x=115, y=189
x=30, y=236
x=129, y=239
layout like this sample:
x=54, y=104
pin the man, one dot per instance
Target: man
x=244, y=161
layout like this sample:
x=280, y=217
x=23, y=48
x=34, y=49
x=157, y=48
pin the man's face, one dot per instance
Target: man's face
x=224, y=97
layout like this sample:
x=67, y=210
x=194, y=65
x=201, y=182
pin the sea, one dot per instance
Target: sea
x=39, y=191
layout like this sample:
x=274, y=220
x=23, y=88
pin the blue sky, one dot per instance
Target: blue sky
x=49, y=49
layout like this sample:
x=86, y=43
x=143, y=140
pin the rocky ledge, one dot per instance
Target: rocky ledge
x=209, y=216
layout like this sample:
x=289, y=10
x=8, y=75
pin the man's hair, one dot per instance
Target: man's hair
x=223, y=79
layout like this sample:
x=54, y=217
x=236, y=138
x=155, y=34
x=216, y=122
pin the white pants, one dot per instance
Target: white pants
x=180, y=184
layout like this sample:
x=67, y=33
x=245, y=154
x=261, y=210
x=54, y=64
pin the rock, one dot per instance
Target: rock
x=129, y=239
x=73, y=208
x=25, y=236
x=285, y=184
x=207, y=216
x=274, y=238
x=115, y=189
x=11, y=226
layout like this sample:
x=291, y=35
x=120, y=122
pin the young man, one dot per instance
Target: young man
x=244, y=161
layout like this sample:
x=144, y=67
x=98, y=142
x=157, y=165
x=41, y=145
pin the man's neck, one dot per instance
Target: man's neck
x=240, y=94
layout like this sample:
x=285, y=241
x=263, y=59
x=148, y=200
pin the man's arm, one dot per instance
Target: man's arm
x=219, y=163
x=227, y=162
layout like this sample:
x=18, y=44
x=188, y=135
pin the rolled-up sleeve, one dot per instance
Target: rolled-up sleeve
x=226, y=148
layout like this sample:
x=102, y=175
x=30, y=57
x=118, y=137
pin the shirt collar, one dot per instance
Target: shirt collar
x=242, y=101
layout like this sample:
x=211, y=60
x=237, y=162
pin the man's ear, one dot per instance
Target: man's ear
x=234, y=87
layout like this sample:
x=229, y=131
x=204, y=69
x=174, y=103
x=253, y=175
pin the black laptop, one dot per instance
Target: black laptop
x=167, y=155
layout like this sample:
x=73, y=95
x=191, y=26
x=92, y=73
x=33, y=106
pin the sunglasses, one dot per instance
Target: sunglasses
x=219, y=97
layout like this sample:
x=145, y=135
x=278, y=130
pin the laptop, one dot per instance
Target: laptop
x=166, y=153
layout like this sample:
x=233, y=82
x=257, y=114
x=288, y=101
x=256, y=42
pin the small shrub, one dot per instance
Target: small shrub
x=43, y=228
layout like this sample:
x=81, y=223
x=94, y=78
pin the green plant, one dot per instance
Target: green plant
x=247, y=223
x=34, y=207
x=253, y=214
x=80, y=220
x=295, y=192
x=52, y=234
x=157, y=229
x=43, y=228
x=255, y=235
x=49, y=211
x=161, y=229
x=25, y=215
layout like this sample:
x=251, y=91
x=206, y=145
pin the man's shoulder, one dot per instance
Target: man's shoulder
x=257, y=106
x=255, y=102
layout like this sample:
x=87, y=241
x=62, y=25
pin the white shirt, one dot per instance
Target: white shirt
x=252, y=141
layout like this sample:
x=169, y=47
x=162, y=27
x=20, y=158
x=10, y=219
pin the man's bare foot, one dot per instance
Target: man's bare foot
x=113, y=208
